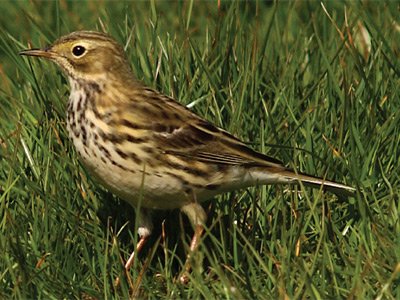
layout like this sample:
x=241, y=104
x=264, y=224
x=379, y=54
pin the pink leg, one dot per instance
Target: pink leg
x=139, y=247
x=197, y=217
x=144, y=231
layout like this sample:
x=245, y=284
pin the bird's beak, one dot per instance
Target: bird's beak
x=38, y=52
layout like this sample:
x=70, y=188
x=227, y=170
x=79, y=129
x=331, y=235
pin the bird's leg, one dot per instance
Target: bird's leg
x=142, y=241
x=144, y=231
x=197, y=217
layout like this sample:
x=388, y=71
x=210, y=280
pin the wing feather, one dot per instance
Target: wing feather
x=174, y=129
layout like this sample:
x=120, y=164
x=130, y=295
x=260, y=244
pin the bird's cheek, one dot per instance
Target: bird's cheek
x=97, y=66
x=85, y=67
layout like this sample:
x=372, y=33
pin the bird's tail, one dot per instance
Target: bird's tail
x=316, y=182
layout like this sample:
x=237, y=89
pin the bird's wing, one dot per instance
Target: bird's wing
x=176, y=130
x=204, y=142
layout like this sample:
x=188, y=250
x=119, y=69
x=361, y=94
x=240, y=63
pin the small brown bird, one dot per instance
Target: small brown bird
x=147, y=148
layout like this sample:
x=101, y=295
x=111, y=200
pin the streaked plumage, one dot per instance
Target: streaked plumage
x=137, y=141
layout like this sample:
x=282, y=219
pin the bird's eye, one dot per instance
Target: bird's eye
x=78, y=50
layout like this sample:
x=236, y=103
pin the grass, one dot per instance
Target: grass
x=294, y=74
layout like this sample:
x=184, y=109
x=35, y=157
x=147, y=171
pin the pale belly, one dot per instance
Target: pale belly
x=137, y=185
x=145, y=189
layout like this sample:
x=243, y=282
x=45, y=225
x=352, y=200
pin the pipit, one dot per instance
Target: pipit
x=147, y=148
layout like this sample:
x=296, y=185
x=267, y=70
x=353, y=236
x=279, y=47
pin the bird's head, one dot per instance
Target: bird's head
x=86, y=55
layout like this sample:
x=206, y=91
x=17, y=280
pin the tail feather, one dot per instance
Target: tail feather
x=316, y=182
